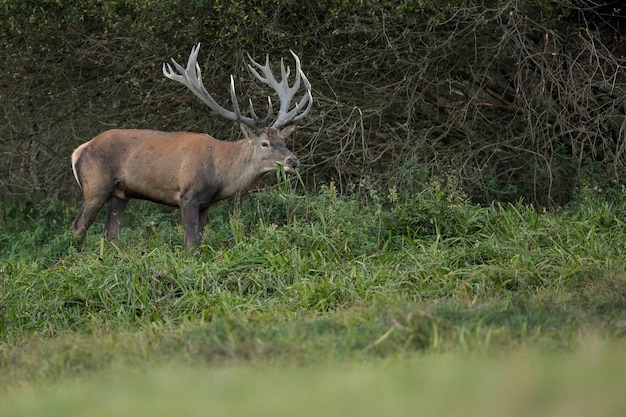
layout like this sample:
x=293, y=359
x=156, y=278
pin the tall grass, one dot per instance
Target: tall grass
x=307, y=278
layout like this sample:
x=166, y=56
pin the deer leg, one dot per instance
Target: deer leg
x=115, y=215
x=86, y=215
x=202, y=217
x=191, y=223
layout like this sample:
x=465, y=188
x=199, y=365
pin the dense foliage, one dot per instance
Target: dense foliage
x=305, y=279
x=513, y=99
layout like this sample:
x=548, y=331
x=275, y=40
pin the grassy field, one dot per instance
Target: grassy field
x=589, y=382
x=318, y=304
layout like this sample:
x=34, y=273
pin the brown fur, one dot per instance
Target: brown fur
x=191, y=171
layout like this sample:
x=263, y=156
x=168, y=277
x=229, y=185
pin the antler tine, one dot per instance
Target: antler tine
x=191, y=77
x=297, y=113
x=233, y=98
x=284, y=72
x=284, y=91
x=267, y=118
x=307, y=99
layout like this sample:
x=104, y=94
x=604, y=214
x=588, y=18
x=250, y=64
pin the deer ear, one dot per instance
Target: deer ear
x=287, y=130
x=247, y=131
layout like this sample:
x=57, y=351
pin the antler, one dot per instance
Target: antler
x=191, y=77
x=284, y=92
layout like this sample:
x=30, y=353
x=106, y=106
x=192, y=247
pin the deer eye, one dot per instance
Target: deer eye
x=265, y=144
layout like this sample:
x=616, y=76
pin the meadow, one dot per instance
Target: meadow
x=301, y=303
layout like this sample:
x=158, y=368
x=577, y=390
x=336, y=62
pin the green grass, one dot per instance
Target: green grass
x=523, y=383
x=301, y=287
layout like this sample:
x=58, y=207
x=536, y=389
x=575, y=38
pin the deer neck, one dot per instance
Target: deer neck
x=240, y=171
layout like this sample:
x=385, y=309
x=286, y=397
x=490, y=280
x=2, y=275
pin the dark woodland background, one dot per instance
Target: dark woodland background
x=507, y=100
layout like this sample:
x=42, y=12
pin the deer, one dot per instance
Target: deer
x=191, y=171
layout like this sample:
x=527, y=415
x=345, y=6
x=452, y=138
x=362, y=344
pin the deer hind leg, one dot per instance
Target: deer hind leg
x=116, y=208
x=202, y=217
x=95, y=195
x=87, y=214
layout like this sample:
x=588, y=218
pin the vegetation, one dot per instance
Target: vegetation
x=308, y=279
x=457, y=227
x=515, y=99
x=589, y=382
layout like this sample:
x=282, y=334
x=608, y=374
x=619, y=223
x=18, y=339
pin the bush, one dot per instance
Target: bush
x=517, y=100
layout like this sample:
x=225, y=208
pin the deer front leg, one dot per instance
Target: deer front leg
x=115, y=215
x=191, y=223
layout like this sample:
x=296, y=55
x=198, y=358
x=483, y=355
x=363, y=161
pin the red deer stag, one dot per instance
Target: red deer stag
x=191, y=171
